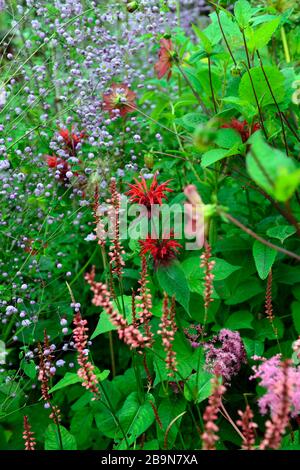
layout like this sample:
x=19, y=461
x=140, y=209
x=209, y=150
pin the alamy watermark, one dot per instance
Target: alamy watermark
x=165, y=221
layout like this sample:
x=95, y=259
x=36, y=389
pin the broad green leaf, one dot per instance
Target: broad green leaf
x=281, y=232
x=253, y=347
x=242, y=12
x=239, y=320
x=296, y=315
x=264, y=328
x=29, y=368
x=259, y=37
x=71, y=378
x=227, y=138
x=244, y=291
x=271, y=169
x=172, y=279
x=264, y=258
x=52, y=441
x=192, y=120
x=81, y=424
x=222, y=269
x=104, y=324
x=276, y=81
x=198, y=392
x=169, y=409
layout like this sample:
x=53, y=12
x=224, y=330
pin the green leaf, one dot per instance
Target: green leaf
x=136, y=418
x=52, y=441
x=259, y=37
x=198, y=392
x=239, y=320
x=243, y=13
x=71, y=378
x=81, y=424
x=168, y=411
x=227, y=138
x=264, y=258
x=223, y=269
x=104, y=324
x=212, y=156
x=204, y=39
x=296, y=315
x=271, y=169
x=245, y=291
x=29, y=368
x=264, y=328
x=276, y=81
x=192, y=120
x=172, y=279
x=281, y=232
x=253, y=347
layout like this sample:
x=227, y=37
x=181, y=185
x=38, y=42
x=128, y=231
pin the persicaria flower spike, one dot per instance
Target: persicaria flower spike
x=116, y=250
x=102, y=298
x=144, y=301
x=28, y=435
x=119, y=101
x=86, y=371
x=208, y=264
x=210, y=437
x=167, y=331
x=248, y=427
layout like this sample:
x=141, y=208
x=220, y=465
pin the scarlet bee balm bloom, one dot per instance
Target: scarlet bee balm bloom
x=119, y=101
x=165, y=59
x=162, y=251
x=139, y=192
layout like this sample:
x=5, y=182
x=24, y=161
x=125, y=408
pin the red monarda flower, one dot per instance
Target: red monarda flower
x=243, y=128
x=70, y=138
x=139, y=192
x=165, y=59
x=119, y=101
x=162, y=251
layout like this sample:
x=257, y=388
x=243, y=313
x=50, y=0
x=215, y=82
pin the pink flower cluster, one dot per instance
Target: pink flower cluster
x=271, y=374
x=225, y=360
x=86, y=371
x=144, y=300
x=248, y=427
x=128, y=333
x=116, y=250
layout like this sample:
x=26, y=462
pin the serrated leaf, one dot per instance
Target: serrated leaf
x=264, y=258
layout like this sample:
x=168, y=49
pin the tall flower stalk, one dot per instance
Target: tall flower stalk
x=210, y=416
x=167, y=331
x=28, y=435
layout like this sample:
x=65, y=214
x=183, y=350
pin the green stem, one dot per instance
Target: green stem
x=285, y=45
x=211, y=85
